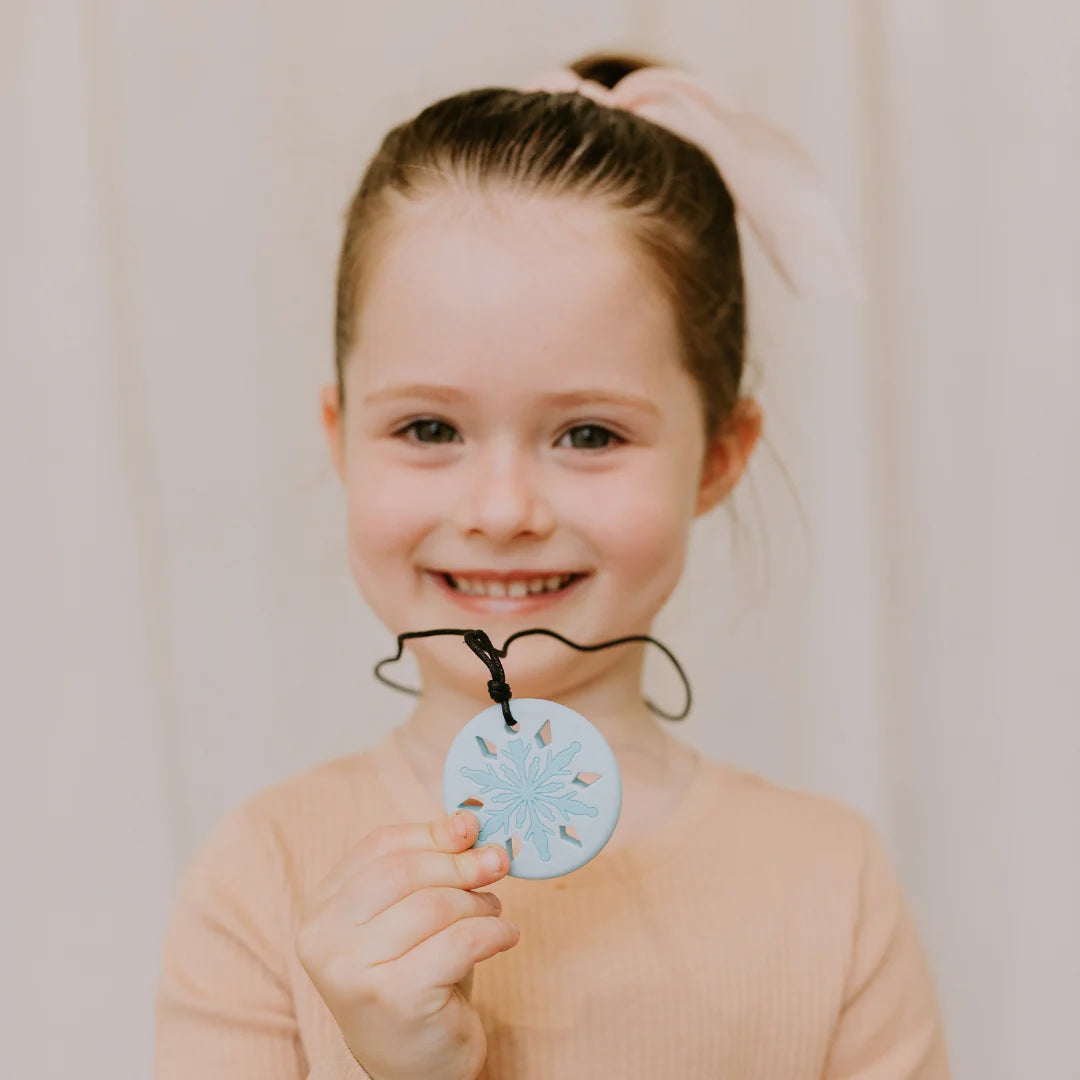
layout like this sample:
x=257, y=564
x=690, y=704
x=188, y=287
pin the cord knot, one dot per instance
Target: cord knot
x=499, y=691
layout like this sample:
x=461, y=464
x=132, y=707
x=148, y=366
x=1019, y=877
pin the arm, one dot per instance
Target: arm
x=224, y=1008
x=889, y=1027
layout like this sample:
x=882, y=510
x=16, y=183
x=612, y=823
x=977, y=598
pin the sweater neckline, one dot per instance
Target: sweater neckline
x=417, y=804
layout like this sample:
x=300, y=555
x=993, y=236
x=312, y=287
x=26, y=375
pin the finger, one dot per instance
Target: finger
x=447, y=957
x=403, y=925
x=387, y=880
x=455, y=832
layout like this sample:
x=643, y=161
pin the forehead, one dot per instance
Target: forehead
x=503, y=284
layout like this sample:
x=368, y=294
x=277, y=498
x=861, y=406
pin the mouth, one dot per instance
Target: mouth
x=487, y=591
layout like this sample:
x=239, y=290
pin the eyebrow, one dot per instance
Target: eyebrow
x=565, y=399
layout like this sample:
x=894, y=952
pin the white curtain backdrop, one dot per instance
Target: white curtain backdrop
x=893, y=621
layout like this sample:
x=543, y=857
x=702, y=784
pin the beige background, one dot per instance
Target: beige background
x=179, y=625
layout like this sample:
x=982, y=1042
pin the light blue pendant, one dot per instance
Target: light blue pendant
x=551, y=792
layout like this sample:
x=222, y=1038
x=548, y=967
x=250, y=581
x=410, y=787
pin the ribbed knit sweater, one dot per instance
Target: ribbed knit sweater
x=760, y=935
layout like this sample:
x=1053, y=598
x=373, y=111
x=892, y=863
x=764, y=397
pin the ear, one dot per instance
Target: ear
x=333, y=426
x=726, y=459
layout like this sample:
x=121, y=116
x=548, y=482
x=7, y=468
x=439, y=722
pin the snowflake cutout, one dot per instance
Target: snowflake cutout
x=533, y=792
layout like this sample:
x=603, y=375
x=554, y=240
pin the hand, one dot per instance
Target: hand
x=390, y=937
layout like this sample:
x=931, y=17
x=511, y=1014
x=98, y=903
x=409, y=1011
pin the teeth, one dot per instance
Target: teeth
x=517, y=589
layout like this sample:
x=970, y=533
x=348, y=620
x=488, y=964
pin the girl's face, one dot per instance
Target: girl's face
x=521, y=445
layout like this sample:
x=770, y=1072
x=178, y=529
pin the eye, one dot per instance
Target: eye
x=429, y=430
x=591, y=437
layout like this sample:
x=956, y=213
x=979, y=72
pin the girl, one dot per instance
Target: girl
x=540, y=342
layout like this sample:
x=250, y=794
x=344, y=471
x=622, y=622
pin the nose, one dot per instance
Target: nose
x=503, y=496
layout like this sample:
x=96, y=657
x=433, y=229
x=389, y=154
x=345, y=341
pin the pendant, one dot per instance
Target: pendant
x=550, y=792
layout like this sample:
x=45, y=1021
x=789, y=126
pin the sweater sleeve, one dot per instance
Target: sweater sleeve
x=224, y=1007
x=889, y=1027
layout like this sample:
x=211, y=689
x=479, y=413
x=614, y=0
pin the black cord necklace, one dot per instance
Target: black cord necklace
x=515, y=770
x=498, y=689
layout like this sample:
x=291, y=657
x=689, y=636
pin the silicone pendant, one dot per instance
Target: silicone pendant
x=551, y=791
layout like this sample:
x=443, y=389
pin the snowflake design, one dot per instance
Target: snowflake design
x=533, y=792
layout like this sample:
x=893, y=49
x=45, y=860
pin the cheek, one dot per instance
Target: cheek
x=390, y=509
x=640, y=525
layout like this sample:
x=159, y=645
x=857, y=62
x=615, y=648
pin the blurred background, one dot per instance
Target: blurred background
x=889, y=616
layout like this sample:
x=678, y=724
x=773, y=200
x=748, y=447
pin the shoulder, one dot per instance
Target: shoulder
x=778, y=816
x=351, y=784
x=811, y=848
x=813, y=875
x=289, y=835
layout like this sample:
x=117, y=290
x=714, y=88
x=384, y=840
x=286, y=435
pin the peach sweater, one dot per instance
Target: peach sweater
x=761, y=936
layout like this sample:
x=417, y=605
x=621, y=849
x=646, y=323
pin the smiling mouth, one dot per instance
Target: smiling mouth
x=516, y=587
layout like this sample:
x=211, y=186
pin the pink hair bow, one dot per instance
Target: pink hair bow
x=772, y=179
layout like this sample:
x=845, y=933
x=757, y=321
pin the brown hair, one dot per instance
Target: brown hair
x=675, y=201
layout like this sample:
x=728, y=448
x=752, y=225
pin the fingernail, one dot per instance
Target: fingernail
x=491, y=858
x=460, y=826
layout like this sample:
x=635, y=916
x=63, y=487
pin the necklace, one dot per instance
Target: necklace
x=541, y=779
